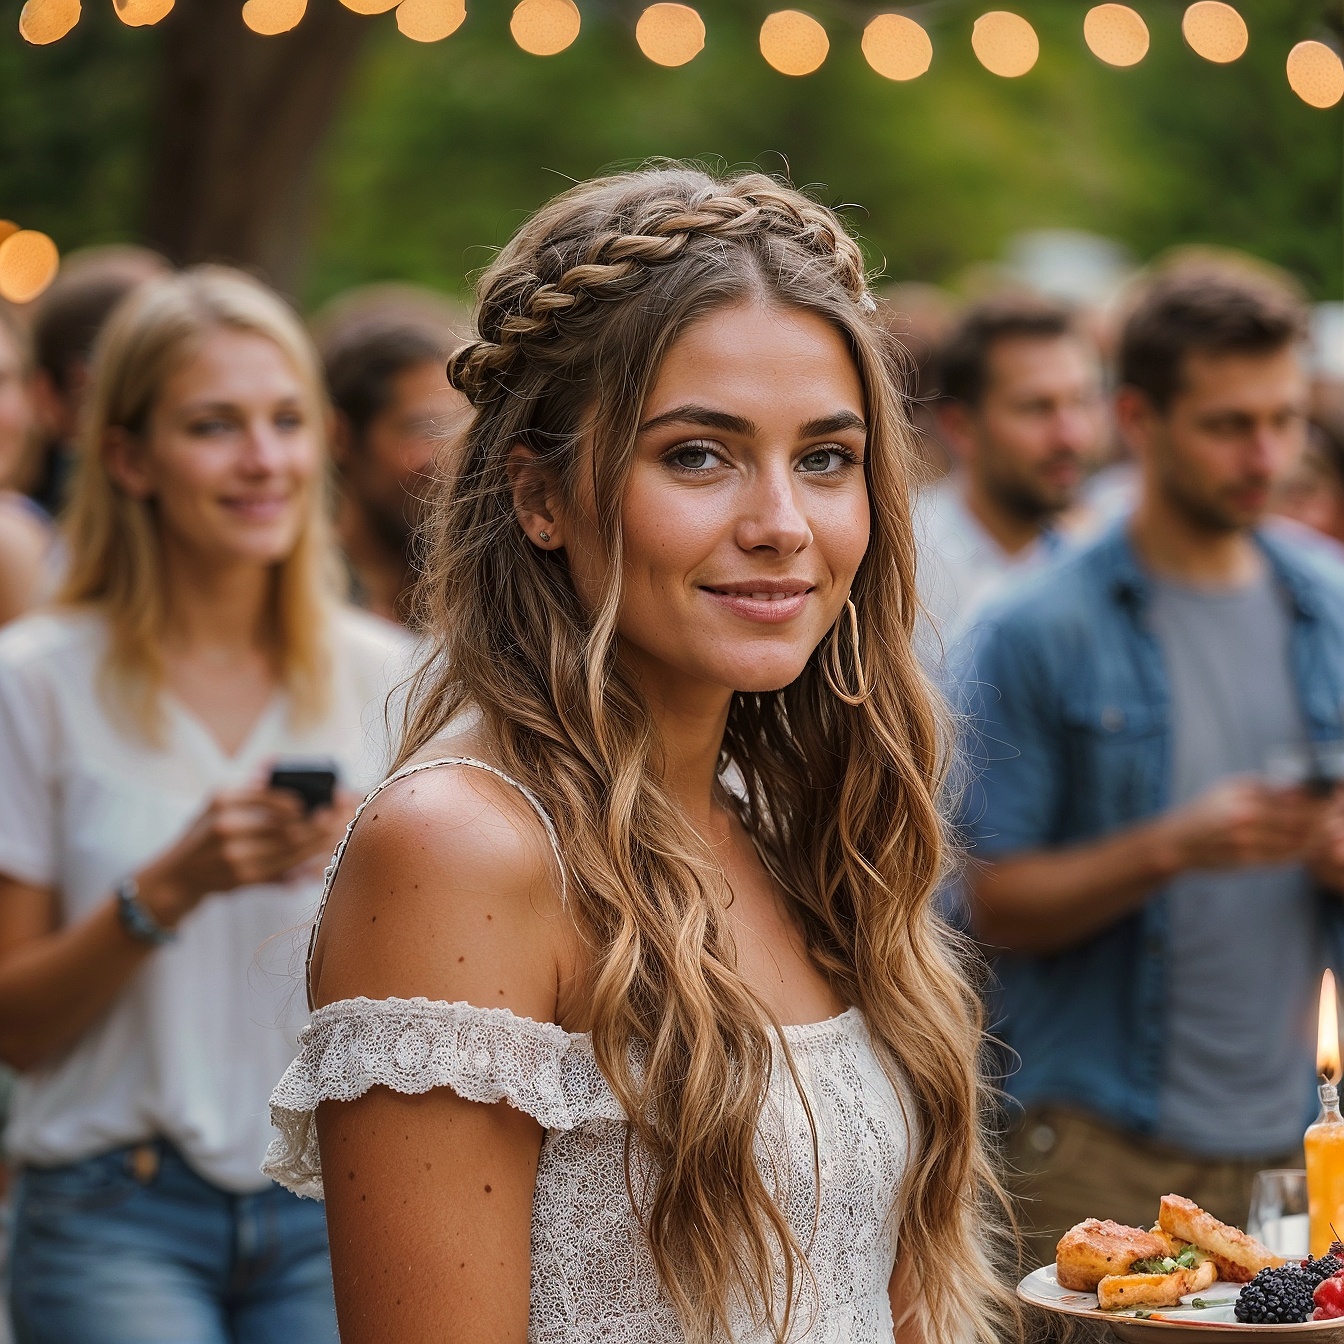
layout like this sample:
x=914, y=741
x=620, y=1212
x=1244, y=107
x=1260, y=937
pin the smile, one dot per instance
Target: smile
x=768, y=604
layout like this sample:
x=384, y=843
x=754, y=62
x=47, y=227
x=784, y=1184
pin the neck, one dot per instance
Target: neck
x=1010, y=529
x=1174, y=545
x=217, y=607
x=690, y=720
x=383, y=571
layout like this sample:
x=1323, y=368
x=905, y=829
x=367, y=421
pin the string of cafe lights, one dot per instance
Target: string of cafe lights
x=671, y=34
x=792, y=41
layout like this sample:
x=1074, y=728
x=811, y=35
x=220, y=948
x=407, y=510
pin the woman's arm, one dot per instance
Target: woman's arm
x=447, y=890
x=57, y=980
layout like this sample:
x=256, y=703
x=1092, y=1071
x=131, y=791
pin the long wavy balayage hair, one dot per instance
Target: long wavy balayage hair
x=574, y=318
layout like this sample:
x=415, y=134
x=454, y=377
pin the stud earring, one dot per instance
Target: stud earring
x=545, y=536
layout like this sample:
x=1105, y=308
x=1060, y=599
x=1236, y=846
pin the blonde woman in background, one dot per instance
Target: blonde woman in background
x=604, y=1049
x=25, y=531
x=150, y=880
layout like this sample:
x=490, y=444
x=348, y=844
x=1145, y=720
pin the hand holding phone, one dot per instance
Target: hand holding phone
x=313, y=780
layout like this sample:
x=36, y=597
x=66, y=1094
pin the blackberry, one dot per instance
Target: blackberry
x=1277, y=1297
x=1326, y=1267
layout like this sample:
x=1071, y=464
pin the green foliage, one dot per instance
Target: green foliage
x=73, y=127
x=441, y=150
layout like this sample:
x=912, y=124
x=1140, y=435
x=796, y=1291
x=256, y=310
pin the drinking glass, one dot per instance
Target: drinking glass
x=1278, y=1215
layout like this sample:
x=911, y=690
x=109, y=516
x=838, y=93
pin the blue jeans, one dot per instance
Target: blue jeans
x=133, y=1247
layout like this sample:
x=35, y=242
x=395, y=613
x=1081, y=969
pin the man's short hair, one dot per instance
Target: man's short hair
x=963, y=362
x=70, y=315
x=369, y=337
x=1204, y=308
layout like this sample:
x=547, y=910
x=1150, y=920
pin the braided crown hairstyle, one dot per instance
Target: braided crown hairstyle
x=574, y=318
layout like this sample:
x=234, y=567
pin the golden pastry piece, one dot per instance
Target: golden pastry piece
x=1154, y=1290
x=1239, y=1258
x=1094, y=1249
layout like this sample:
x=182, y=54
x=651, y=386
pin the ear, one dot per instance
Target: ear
x=341, y=436
x=125, y=458
x=955, y=429
x=536, y=499
x=1136, y=418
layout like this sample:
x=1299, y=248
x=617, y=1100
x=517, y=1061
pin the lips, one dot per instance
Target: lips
x=259, y=509
x=766, y=602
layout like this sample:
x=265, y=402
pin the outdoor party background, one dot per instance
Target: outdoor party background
x=428, y=155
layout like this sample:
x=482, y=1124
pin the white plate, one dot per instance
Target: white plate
x=1041, y=1289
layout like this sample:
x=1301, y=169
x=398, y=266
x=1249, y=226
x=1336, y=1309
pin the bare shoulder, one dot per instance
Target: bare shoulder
x=449, y=890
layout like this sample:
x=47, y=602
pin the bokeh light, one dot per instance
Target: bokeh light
x=142, y=13
x=43, y=21
x=269, y=17
x=7, y=227
x=1215, y=31
x=897, y=47
x=794, y=42
x=545, y=27
x=28, y=264
x=370, y=6
x=430, y=20
x=670, y=34
x=1006, y=43
x=1116, y=34
x=1316, y=74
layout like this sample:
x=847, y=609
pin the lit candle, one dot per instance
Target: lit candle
x=1324, y=1141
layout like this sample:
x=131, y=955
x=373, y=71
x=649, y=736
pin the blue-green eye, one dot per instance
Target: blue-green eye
x=694, y=457
x=822, y=460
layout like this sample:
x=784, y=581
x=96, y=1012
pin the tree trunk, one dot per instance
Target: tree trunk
x=241, y=121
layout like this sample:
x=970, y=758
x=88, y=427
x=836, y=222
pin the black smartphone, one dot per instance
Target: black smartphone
x=313, y=780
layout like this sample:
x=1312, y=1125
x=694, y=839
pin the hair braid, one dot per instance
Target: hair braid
x=529, y=308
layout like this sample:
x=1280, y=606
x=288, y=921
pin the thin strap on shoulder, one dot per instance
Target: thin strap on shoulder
x=329, y=876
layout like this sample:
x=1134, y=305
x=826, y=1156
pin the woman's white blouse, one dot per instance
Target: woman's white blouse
x=592, y=1276
x=192, y=1047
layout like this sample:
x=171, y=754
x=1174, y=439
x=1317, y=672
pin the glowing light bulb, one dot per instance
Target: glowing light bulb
x=430, y=20
x=1215, y=31
x=1316, y=74
x=43, y=21
x=545, y=27
x=142, y=13
x=897, y=47
x=269, y=17
x=1006, y=43
x=28, y=264
x=670, y=34
x=1116, y=34
x=794, y=42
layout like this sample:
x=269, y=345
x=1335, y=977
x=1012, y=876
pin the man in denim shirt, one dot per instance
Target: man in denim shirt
x=1153, y=859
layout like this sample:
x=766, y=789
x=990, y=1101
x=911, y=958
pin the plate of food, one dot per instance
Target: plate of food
x=1190, y=1274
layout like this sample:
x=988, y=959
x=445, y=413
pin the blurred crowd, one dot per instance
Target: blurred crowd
x=1130, y=525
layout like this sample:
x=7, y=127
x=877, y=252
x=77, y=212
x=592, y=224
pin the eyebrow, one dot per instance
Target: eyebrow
x=736, y=424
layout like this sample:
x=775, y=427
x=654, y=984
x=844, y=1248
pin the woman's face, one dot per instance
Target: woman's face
x=746, y=513
x=16, y=407
x=231, y=453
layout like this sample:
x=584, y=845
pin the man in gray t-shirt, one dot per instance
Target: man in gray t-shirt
x=1246, y=947
x=1159, y=904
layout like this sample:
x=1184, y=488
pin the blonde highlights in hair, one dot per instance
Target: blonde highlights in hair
x=115, y=550
x=841, y=796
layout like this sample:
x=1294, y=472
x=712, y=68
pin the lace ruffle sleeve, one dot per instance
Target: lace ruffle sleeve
x=413, y=1045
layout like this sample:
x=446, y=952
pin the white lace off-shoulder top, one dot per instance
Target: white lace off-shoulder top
x=592, y=1278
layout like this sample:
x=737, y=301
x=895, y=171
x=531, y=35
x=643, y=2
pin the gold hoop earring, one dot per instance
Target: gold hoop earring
x=833, y=666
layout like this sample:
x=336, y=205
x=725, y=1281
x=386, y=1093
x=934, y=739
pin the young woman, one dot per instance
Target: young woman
x=150, y=880
x=635, y=1021
x=25, y=531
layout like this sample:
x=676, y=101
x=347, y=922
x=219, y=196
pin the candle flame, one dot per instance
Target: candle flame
x=1327, y=1039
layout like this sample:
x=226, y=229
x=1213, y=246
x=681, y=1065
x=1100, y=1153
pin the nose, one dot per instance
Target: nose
x=772, y=517
x=264, y=448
